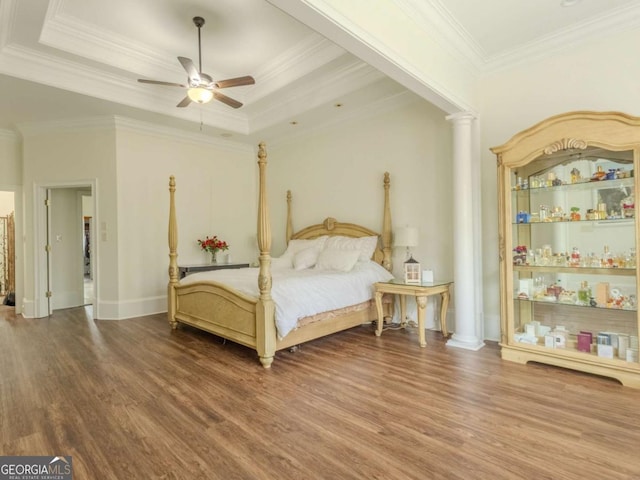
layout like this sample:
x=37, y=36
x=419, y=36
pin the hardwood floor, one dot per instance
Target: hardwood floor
x=133, y=400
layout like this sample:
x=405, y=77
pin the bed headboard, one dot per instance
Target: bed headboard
x=330, y=226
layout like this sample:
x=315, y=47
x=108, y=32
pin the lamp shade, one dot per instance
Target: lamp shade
x=406, y=237
x=200, y=95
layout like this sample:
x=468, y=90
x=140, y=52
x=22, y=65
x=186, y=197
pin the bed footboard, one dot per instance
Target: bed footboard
x=218, y=310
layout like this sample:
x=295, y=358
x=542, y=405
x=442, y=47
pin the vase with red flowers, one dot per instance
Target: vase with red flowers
x=213, y=245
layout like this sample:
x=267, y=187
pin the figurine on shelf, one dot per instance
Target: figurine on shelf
x=575, y=214
x=575, y=175
x=628, y=205
x=520, y=255
x=523, y=217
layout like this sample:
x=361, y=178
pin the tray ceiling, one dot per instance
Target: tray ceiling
x=63, y=59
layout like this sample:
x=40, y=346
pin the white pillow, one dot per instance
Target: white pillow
x=333, y=259
x=281, y=262
x=364, y=245
x=306, y=258
x=295, y=246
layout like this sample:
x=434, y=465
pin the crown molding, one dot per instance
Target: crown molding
x=8, y=12
x=40, y=67
x=619, y=20
x=115, y=123
x=74, y=125
x=68, y=34
x=10, y=134
x=178, y=135
x=93, y=42
x=437, y=22
x=299, y=60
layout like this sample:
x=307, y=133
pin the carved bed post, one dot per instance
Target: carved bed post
x=173, y=253
x=386, y=225
x=265, y=308
x=289, y=232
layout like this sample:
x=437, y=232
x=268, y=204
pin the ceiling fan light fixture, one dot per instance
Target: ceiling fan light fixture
x=200, y=95
x=200, y=87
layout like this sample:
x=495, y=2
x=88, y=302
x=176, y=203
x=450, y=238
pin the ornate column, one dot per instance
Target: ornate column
x=467, y=247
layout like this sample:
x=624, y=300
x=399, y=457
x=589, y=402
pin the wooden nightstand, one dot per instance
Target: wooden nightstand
x=184, y=270
x=421, y=292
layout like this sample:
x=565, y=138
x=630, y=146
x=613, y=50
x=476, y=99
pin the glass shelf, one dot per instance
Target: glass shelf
x=609, y=221
x=627, y=272
x=587, y=185
x=576, y=305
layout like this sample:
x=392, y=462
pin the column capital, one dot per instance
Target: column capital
x=459, y=117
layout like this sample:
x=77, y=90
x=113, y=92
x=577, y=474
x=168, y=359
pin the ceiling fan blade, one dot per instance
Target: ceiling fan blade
x=184, y=102
x=158, y=82
x=235, y=82
x=224, y=99
x=192, y=71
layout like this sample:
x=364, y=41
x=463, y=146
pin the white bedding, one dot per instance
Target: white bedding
x=301, y=293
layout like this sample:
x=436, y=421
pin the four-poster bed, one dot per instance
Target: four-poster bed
x=250, y=319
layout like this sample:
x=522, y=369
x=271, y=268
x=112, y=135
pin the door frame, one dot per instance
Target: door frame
x=40, y=270
x=19, y=242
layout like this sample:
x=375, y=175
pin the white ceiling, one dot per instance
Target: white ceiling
x=64, y=59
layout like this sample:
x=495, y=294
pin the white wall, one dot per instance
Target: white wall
x=63, y=155
x=338, y=172
x=10, y=160
x=130, y=164
x=215, y=195
x=601, y=75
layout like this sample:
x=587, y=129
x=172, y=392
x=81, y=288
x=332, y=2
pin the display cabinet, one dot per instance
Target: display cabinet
x=568, y=240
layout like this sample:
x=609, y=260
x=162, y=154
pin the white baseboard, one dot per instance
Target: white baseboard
x=107, y=310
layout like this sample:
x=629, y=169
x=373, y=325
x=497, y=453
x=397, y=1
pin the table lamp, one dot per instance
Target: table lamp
x=406, y=237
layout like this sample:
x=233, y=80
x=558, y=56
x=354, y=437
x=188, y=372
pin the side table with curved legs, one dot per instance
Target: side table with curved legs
x=421, y=292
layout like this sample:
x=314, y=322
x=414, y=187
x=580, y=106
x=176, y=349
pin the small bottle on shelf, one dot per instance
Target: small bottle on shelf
x=599, y=174
x=607, y=258
x=574, y=260
x=584, y=294
x=593, y=261
x=544, y=213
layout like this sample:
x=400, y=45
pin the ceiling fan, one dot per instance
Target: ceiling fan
x=201, y=87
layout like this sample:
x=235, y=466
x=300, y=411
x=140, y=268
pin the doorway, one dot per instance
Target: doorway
x=7, y=249
x=87, y=244
x=65, y=268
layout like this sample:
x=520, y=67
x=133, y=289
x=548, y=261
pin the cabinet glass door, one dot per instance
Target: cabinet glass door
x=574, y=254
